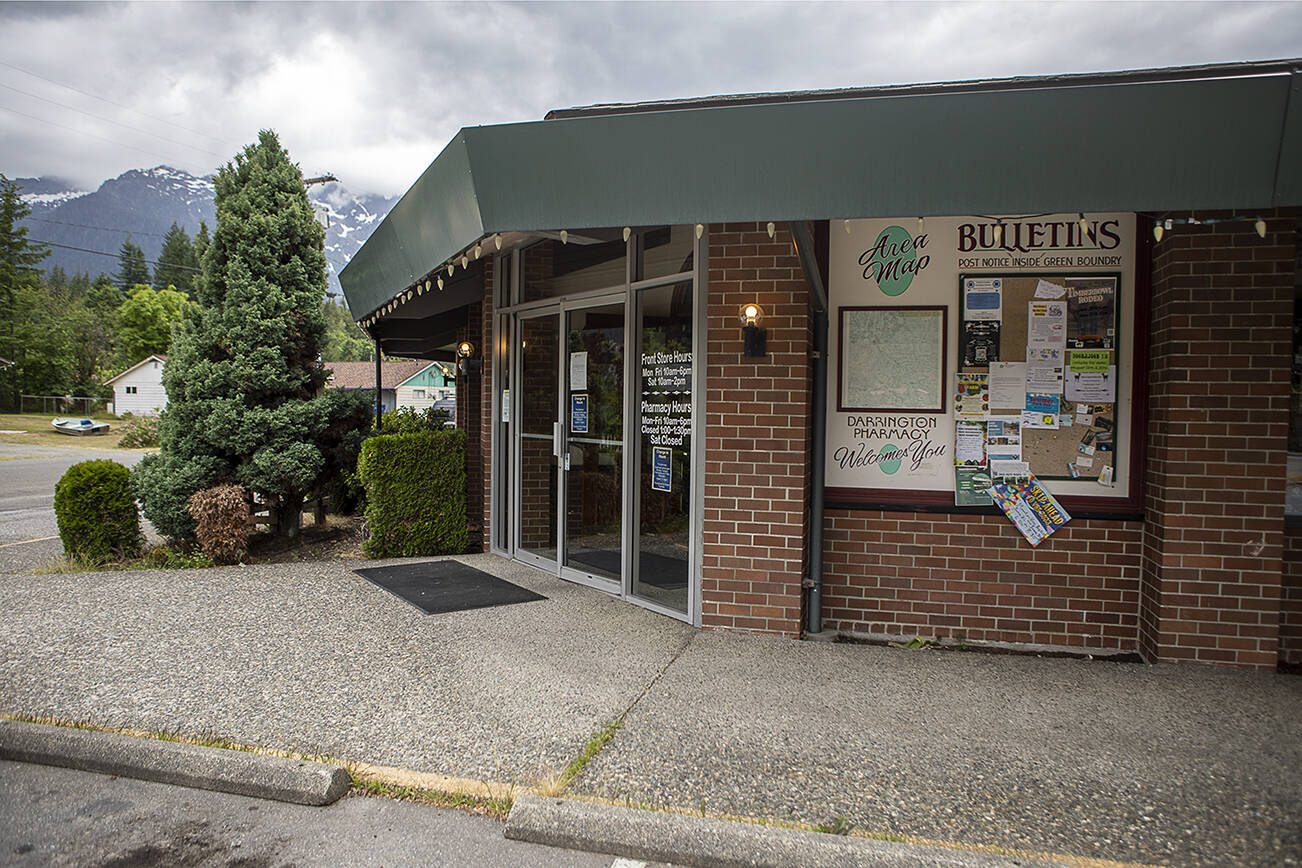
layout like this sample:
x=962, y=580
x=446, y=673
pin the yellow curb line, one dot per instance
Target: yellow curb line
x=489, y=790
x=24, y=542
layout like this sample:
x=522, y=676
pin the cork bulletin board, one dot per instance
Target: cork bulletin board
x=1085, y=446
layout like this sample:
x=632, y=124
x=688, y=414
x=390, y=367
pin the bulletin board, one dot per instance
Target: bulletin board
x=1087, y=435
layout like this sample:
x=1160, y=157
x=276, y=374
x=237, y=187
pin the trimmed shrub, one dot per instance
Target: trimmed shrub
x=138, y=432
x=221, y=522
x=96, y=512
x=415, y=493
x=408, y=420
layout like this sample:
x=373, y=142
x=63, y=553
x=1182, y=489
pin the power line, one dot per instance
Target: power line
x=84, y=133
x=100, y=228
x=111, y=121
x=118, y=104
x=105, y=253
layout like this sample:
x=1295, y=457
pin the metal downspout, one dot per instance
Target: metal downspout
x=813, y=580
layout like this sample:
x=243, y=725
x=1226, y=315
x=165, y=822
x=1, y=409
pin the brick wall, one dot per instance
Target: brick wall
x=486, y=345
x=473, y=390
x=756, y=434
x=973, y=577
x=1219, y=406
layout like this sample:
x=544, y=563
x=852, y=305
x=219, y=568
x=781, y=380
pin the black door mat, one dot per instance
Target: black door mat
x=446, y=586
x=667, y=573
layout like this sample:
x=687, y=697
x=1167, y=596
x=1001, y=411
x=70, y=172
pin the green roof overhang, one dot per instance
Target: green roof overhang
x=1232, y=139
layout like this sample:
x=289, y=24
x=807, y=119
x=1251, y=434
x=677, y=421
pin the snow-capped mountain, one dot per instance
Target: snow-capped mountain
x=143, y=204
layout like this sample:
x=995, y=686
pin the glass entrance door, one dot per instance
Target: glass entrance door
x=539, y=439
x=593, y=456
x=662, y=568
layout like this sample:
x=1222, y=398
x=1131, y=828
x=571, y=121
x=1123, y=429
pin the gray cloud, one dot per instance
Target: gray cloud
x=374, y=91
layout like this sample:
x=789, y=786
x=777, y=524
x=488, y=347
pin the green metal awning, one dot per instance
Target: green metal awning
x=1208, y=138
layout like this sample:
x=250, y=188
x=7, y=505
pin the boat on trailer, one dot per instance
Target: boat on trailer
x=79, y=427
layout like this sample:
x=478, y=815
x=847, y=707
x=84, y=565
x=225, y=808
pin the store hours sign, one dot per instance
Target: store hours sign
x=667, y=397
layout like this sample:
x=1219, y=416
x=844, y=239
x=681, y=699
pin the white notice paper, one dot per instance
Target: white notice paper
x=1007, y=385
x=1045, y=289
x=983, y=299
x=1095, y=387
x=1046, y=325
x=1004, y=438
x=970, y=444
x=1010, y=468
x=579, y=372
x=1044, y=370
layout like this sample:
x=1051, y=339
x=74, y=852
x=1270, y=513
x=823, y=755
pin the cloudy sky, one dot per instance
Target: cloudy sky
x=372, y=92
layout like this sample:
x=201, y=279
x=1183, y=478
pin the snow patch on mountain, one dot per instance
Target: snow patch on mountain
x=143, y=203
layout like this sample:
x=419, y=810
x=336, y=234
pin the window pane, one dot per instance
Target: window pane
x=665, y=450
x=667, y=250
x=552, y=269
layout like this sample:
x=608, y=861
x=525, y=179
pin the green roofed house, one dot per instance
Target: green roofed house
x=998, y=362
x=361, y=375
x=431, y=384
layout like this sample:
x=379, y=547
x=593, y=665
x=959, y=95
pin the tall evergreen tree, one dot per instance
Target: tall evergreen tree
x=201, y=241
x=24, y=344
x=132, y=269
x=243, y=382
x=177, y=264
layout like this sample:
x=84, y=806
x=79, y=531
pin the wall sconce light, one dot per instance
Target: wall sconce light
x=465, y=364
x=754, y=338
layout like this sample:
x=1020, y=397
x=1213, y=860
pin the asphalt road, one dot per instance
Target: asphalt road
x=28, y=531
x=55, y=816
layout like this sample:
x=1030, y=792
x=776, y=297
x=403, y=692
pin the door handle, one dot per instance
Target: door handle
x=558, y=433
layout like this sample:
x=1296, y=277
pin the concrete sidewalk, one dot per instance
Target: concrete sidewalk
x=1115, y=761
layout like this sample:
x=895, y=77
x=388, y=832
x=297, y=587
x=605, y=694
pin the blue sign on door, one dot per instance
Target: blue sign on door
x=661, y=468
x=579, y=414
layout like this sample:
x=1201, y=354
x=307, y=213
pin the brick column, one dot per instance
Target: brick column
x=756, y=435
x=1218, y=434
x=473, y=388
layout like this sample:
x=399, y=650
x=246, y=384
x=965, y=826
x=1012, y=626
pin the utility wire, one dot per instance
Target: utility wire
x=100, y=228
x=111, y=121
x=118, y=104
x=105, y=253
x=84, y=133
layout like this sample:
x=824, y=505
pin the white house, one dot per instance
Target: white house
x=426, y=387
x=139, y=389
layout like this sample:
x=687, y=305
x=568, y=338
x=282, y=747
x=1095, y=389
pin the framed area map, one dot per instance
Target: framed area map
x=892, y=359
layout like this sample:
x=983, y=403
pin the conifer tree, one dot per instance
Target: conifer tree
x=177, y=265
x=22, y=311
x=201, y=241
x=132, y=269
x=245, y=399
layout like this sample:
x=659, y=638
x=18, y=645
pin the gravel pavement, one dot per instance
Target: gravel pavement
x=28, y=530
x=311, y=657
x=1173, y=765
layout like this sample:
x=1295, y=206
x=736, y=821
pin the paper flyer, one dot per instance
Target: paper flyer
x=1031, y=508
x=1044, y=370
x=1007, y=385
x=1091, y=387
x=1049, y=290
x=1004, y=438
x=1091, y=313
x=1013, y=469
x=972, y=396
x=1046, y=325
x=579, y=372
x=981, y=342
x=970, y=444
x=971, y=487
x=983, y=298
x=1089, y=361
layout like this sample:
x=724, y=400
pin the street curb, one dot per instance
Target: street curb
x=660, y=836
x=302, y=782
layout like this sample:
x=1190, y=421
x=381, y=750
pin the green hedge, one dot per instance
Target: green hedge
x=96, y=512
x=415, y=493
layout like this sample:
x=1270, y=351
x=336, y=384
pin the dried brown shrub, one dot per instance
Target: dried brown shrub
x=221, y=522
